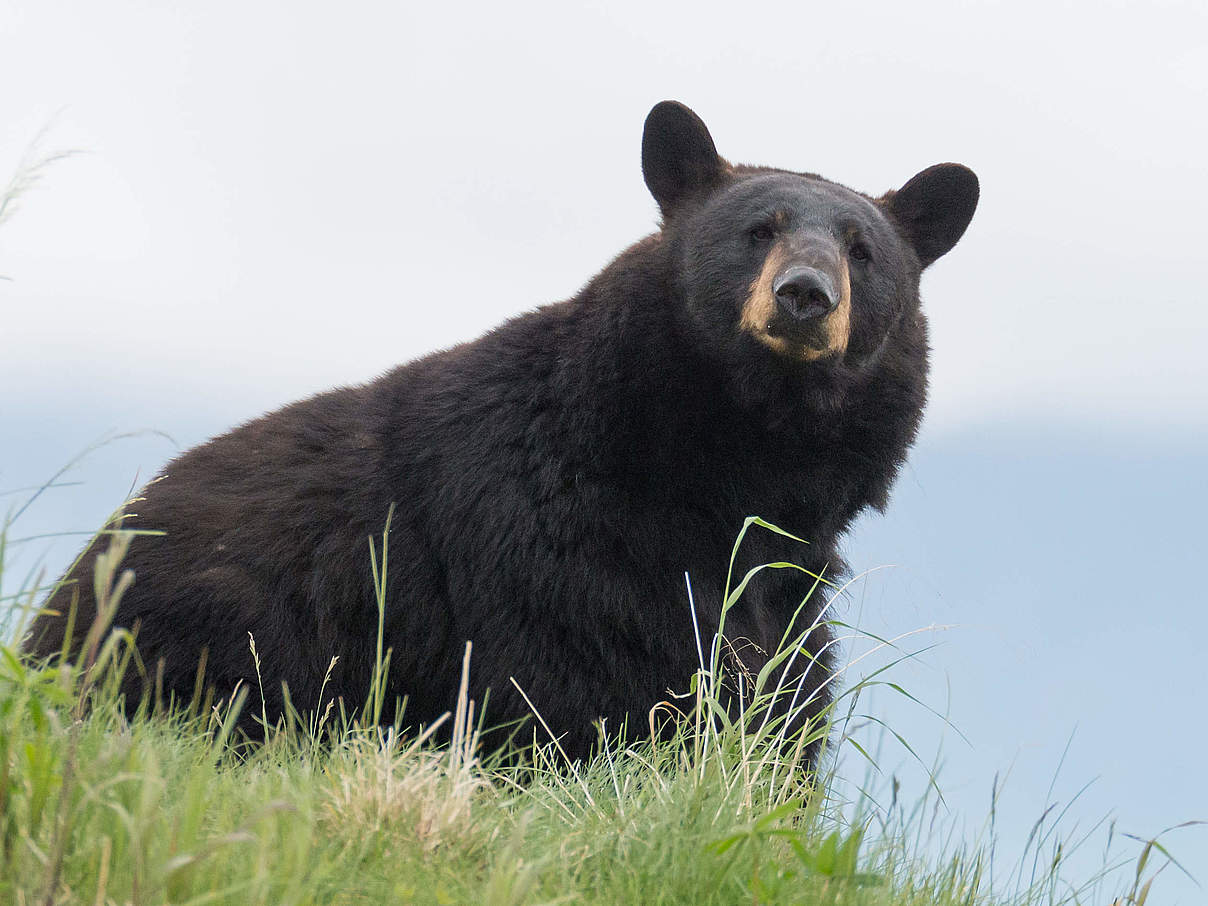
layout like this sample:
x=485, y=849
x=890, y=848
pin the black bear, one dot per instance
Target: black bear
x=763, y=353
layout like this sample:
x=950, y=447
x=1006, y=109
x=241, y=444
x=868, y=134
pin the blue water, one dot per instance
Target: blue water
x=1068, y=564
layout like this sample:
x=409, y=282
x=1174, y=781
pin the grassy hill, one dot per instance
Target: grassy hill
x=98, y=806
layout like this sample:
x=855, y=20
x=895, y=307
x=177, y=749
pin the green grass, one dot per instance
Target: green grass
x=100, y=807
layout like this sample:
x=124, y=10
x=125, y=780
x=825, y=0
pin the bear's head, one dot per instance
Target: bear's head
x=791, y=266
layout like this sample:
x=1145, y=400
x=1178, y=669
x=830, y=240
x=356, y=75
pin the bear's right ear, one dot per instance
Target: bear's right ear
x=678, y=155
x=934, y=208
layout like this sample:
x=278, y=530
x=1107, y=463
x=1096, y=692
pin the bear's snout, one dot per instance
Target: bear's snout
x=800, y=304
x=805, y=294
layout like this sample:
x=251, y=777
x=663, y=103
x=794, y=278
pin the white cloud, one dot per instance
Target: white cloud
x=280, y=196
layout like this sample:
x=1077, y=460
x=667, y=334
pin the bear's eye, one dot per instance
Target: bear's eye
x=859, y=251
x=760, y=234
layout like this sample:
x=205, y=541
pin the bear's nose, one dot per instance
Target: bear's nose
x=805, y=293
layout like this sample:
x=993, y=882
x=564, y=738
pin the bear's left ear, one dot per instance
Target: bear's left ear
x=933, y=209
x=678, y=155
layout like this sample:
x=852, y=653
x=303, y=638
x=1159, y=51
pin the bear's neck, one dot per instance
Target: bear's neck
x=662, y=408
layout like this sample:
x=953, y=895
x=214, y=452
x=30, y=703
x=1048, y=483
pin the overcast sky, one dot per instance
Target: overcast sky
x=283, y=197
x=273, y=198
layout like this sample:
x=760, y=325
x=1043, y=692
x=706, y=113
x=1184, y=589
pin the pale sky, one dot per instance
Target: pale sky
x=270, y=199
x=274, y=198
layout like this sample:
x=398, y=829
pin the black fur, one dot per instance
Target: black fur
x=556, y=477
